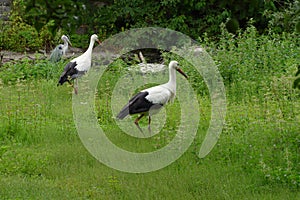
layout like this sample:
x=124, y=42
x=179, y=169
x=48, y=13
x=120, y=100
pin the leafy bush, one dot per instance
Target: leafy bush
x=65, y=14
x=250, y=60
x=285, y=20
x=297, y=80
x=26, y=69
x=110, y=17
x=19, y=36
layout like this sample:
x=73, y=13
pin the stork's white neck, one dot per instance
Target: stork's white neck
x=89, y=50
x=172, y=79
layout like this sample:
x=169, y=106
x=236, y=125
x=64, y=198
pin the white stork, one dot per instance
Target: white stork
x=149, y=101
x=60, y=50
x=78, y=66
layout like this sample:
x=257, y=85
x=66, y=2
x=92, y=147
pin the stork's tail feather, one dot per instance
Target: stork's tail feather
x=123, y=113
x=62, y=80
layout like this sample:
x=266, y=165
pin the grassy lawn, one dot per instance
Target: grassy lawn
x=256, y=157
x=42, y=156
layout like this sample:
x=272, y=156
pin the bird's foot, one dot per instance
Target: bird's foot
x=138, y=126
x=139, y=129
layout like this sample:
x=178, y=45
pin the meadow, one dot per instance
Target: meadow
x=256, y=157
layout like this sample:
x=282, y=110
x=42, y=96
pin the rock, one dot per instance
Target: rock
x=5, y=9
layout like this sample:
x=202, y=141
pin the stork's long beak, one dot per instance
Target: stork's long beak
x=181, y=72
x=98, y=41
x=69, y=41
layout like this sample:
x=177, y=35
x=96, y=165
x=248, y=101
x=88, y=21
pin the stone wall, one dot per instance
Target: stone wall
x=5, y=9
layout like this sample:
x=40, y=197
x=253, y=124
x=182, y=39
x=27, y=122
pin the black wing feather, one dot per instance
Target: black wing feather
x=69, y=71
x=137, y=104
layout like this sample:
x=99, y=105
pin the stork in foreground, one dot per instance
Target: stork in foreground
x=149, y=101
x=60, y=50
x=78, y=66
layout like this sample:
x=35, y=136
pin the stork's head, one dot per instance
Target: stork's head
x=174, y=64
x=94, y=38
x=65, y=39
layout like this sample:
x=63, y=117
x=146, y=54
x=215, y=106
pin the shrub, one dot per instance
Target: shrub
x=285, y=20
x=297, y=80
x=27, y=69
x=19, y=36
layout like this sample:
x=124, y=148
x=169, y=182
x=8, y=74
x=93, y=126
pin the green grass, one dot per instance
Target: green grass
x=42, y=156
x=256, y=157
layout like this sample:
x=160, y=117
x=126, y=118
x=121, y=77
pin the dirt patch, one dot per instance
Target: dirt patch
x=10, y=56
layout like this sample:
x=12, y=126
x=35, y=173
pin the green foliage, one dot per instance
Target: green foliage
x=189, y=17
x=286, y=19
x=19, y=36
x=240, y=58
x=34, y=25
x=14, y=161
x=80, y=40
x=271, y=154
x=297, y=80
x=27, y=69
x=256, y=157
x=65, y=14
x=46, y=35
x=48, y=20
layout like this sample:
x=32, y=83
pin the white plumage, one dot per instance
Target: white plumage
x=84, y=61
x=160, y=94
x=150, y=101
x=79, y=65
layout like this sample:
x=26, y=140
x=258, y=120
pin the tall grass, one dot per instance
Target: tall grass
x=256, y=157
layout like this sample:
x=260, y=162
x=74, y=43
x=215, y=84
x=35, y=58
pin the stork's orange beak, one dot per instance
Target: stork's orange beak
x=181, y=72
x=99, y=41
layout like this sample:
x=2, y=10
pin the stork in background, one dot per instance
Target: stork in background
x=60, y=50
x=149, y=101
x=78, y=66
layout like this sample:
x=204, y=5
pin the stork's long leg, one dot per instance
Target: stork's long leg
x=136, y=121
x=149, y=122
x=73, y=86
x=70, y=82
x=76, y=86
